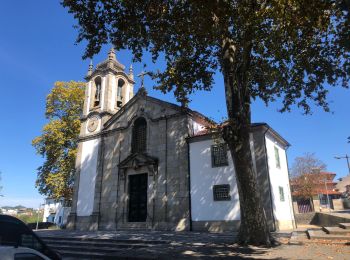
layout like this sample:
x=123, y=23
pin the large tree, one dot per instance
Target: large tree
x=292, y=50
x=58, y=141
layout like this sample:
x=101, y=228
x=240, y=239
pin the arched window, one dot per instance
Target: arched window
x=97, y=96
x=139, y=136
x=121, y=83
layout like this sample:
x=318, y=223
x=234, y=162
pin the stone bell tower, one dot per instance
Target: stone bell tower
x=108, y=89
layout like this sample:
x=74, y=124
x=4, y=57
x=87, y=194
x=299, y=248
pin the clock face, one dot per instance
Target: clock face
x=92, y=124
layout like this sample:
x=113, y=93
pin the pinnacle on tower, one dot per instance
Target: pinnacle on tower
x=111, y=54
x=90, y=69
x=131, y=73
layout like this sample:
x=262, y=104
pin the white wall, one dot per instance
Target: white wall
x=50, y=205
x=203, y=177
x=197, y=127
x=62, y=212
x=283, y=210
x=88, y=172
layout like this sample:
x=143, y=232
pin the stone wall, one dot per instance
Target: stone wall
x=168, y=187
x=216, y=226
x=338, y=204
x=330, y=219
x=305, y=218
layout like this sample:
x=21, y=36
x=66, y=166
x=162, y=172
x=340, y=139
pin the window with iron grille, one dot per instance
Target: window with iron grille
x=221, y=192
x=219, y=155
x=139, y=138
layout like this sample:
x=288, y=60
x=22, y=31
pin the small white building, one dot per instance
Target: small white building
x=214, y=195
x=55, y=211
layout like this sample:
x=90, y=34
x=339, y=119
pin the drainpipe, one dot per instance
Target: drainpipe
x=166, y=170
x=290, y=195
x=189, y=183
x=268, y=178
x=118, y=183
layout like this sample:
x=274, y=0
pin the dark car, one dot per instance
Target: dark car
x=13, y=232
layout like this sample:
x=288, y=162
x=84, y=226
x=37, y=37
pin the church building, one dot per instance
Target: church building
x=144, y=163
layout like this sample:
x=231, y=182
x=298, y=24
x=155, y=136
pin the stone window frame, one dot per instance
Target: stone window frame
x=135, y=147
x=119, y=94
x=221, y=192
x=93, y=100
x=219, y=150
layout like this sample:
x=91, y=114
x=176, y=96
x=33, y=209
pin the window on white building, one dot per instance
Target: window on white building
x=277, y=158
x=219, y=155
x=281, y=193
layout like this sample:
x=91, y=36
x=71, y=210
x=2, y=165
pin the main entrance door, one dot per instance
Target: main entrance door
x=138, y=197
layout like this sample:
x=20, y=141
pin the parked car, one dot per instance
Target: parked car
x=20, y=253
x=14, y=233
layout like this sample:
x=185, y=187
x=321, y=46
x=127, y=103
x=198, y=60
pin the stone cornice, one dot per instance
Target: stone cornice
x=96, y=113
x=106, y=70
x=122, y=128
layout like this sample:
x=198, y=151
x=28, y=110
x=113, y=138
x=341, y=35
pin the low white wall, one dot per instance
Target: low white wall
x=283, y=210
x=88, y=172
x=50, y=205
x=203, y=177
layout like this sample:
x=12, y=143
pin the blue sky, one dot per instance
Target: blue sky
x=37, y=48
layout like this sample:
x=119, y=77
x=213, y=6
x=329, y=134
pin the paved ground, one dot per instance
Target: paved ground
x=195, y=245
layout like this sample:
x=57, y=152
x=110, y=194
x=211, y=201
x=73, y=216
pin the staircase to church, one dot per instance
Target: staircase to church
x=334, y=234
x=95, y=248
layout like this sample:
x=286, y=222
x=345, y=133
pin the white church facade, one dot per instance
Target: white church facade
x=144, y=163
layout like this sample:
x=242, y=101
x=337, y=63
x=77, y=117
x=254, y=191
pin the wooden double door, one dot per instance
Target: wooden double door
x=138, y=197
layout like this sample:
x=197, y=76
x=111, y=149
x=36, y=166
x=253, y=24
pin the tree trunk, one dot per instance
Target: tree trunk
x=254, y=229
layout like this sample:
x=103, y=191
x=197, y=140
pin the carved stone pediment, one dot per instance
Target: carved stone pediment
x=138, y=160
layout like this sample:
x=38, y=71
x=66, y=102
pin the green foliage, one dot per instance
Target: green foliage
x=289, y=49
x=58, y=142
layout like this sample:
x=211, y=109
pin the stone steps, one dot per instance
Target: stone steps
x=120, y=255
x=344, y=225
x=339, y=234
x=95, y=248
x=81, y=244
x=336, y=231
x=103, y=240
x=321, y=235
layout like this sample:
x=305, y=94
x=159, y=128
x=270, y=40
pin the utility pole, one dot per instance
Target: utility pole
x=37, y=218
x=328, y=204
x=347, y=160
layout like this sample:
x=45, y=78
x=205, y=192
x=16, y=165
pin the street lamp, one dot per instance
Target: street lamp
x=347, y=160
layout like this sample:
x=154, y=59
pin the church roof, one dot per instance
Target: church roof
x=111, y=59
x=110, y=64
x=207, y=133
x=143, y=94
